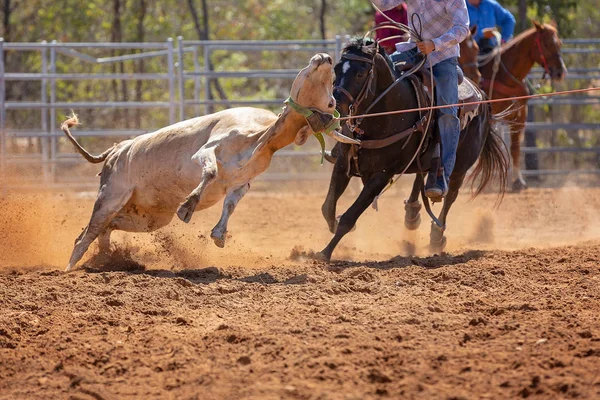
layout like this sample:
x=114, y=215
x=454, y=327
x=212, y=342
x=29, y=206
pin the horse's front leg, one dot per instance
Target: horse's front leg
x=437, y=240
x=337, y=186
x=372, y=188
x=412, y=207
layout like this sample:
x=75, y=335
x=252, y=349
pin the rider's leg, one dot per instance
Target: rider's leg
x=446, y=92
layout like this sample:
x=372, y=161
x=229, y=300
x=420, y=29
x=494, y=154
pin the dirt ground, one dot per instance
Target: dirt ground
x=512, y=310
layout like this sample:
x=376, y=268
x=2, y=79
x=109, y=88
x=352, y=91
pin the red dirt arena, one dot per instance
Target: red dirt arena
x=512, y=310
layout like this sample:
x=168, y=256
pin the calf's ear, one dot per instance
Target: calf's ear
x=303, y=135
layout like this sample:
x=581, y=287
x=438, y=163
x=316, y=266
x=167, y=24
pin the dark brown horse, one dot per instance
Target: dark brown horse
x=469, y=51
x=503, y=73
x=392, y=144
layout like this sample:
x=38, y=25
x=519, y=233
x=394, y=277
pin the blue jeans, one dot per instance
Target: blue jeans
x=446, y=92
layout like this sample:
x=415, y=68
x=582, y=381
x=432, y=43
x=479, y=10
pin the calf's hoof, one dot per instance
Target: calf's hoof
x=218, y=239
x=186, y=210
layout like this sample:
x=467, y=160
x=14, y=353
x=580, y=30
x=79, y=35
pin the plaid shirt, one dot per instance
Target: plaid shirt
x=445, y=22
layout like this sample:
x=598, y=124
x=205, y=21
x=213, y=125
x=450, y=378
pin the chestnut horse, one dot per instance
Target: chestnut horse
x=502, y=75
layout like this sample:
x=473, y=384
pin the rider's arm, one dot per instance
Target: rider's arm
x=460, y=29
x=505, y=20
x=387, y=4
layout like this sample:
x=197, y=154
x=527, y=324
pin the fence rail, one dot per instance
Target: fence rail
x=188, y=92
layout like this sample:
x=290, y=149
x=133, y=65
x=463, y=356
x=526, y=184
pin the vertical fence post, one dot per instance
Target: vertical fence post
x=2, y=111
x=196, y=80
x=171, y=67
x=208, y=108
x=181, y=78
x=338, y=48
x=45, y=142
x=53, y=141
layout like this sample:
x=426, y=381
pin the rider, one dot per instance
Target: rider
x=487, y=15
x=397, y=14
x=444, y=24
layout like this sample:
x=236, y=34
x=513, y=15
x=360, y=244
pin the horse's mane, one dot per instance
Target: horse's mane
x=523, y=35
x=368, y=46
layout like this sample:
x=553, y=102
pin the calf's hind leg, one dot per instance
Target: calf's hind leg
x=208, y=162
x=107, y=205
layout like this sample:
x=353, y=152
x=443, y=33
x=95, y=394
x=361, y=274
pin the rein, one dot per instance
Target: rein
x=538, y=42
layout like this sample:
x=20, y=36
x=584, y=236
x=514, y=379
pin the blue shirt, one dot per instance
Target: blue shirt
x=490, y=14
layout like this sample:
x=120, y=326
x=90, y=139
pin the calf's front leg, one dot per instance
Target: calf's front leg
x=231, y=200
x=208, y=161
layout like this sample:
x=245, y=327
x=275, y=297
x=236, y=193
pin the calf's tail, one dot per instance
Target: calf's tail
x=73, y=121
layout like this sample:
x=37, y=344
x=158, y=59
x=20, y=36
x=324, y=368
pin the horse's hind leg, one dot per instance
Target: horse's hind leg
x=437, y=240
x=516, y=134
x=108, y=204
x=412, y=207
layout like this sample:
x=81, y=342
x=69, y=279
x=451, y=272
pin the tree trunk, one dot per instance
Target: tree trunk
x=202, y=32
x=523, y=14
x=322, y=19
x=6, y=21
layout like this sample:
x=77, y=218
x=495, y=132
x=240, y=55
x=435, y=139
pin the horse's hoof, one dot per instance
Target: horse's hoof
x=518, y=186
x=413, y=224
x=438, y=247
x=320, y=256
x=437, y=240
x=69, y=268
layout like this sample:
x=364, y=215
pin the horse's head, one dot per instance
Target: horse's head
x=362, y=70
x=469, y=50
x=546, y=51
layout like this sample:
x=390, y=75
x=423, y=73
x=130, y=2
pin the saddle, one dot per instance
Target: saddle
x=468, y=92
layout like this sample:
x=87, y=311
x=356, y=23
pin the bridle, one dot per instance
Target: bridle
x=544, y=62
x=353, y=123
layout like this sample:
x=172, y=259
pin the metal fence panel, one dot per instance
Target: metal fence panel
x=188, y=87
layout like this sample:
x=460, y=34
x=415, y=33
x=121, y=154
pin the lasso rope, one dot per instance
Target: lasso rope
x=531, y=96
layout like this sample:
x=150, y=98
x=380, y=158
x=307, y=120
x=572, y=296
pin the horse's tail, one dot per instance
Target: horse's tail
x=493, y=163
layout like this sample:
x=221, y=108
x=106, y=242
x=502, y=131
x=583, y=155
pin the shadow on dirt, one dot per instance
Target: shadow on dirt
x=430, y=262
x=121, y=260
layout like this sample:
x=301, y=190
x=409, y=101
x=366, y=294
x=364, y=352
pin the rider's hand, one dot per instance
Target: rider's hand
x=489, y=33
x=426, y=46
